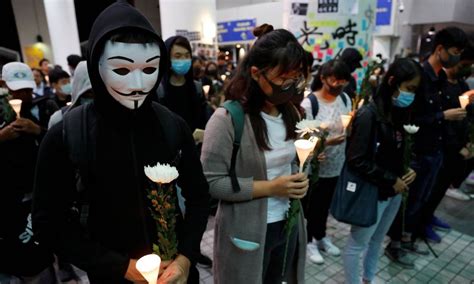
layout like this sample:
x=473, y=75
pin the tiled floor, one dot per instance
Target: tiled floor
x=455, y=263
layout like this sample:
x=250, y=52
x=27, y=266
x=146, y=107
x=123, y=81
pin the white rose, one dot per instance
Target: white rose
x=411, y=129
x=161, y=173
x=307, y=127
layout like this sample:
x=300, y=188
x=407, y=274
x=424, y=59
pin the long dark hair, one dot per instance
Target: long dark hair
x=334, y=67
x=273, y=48
x=402, y=70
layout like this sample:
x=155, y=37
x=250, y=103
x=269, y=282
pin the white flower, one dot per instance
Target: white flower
x=378, y=60
x=307, y=127
x=3, y=92
x=161, y=173
x=411, y=129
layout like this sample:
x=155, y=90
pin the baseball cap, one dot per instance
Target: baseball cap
x=18, y=76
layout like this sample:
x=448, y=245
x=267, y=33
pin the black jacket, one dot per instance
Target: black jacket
x=455, y=133
x=372, y=134
x=119, y=225
x=428, y=112
x=187, y=101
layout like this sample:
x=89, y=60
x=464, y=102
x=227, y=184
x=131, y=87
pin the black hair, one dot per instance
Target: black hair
x=41, y=61
x=450, y=37
x=184, y=43
x=402, y=70
x=309, y=59
x=334, y=67
x=273, y=48
x=73, y=60
x=57, y=74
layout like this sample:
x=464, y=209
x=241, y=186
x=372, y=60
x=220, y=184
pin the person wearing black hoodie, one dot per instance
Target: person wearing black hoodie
x=352, y=58
x=178, y=91
x=124, y=131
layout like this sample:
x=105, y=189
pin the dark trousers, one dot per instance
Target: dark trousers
x=316, y=205
x=274, y=254
x=426, y=168
x=453, y=169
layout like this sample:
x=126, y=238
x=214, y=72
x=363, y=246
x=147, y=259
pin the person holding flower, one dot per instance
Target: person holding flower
x=251, y=242
x=374, y=153
x=326, y=105
x=94, y=162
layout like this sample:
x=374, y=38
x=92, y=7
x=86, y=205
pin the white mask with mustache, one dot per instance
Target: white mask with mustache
x=129, y=71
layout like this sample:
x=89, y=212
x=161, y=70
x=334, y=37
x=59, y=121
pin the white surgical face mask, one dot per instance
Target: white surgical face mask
x=129, y=71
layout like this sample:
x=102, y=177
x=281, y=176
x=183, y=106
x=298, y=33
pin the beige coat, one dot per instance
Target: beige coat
x=239, y=216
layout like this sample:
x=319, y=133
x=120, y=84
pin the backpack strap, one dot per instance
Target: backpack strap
x=79, y=127
x=234, y=108
x=314, y=105
x=344, y=98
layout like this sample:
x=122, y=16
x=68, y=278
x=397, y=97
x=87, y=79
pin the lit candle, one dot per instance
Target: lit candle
x=303, y=149
x=149, y=267
x=223, y=77
x=69, y=103
x=346, y=119
x=464, y=100
x=16, y=105
x=206, y=89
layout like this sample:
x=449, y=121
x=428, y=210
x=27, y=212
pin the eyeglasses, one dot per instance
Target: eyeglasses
x=299, y=83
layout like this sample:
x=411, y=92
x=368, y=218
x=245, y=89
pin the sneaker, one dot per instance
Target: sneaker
x=431, y=235
x=314, y=254
x=414, y=248
x=399, y=257
x=470, y=179
x=455, y=193
x=204, y=261
x=327, y=246
x=439, y=224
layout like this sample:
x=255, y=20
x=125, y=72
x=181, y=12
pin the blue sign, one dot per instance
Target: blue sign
x=384, y=12
x=240, y=30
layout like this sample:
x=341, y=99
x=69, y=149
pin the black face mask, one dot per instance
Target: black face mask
x=335, y=91
x=452, y=60
x=279, y=95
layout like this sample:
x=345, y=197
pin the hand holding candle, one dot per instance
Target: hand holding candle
x=303, y=149
x=149, y=267
x=16, y=105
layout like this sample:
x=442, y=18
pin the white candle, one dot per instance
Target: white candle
x=464, y=100
x=346, y=119
x=149, y=267
x=303, y=149
x=69, y=103
x=223, y=77
x=16, y=105
x=206, y=89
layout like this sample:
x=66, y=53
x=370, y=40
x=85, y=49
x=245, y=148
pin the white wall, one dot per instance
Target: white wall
x=270, y=13
x=30, y=21
x=191, y=15
x=62, y=25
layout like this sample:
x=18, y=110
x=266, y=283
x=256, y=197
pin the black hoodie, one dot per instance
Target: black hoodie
x=119, y=226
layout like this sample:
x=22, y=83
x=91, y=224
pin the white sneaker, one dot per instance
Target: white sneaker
x=314, y=254
x=327, y=246
x=457, y=194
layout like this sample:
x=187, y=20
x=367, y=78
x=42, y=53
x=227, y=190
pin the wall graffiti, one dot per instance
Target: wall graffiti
x=327, y=34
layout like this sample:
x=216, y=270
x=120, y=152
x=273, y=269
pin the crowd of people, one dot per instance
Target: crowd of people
x=75, y=200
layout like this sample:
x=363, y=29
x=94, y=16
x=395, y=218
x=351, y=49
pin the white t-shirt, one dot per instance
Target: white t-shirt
x=278, y=161
x=330, y=113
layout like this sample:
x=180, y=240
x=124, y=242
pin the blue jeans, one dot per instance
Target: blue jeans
x=369, y=240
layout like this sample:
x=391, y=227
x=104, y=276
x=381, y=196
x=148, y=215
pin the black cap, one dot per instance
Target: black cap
x=352, y=57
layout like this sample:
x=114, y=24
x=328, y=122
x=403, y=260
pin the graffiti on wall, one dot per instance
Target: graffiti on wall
x=325, y=35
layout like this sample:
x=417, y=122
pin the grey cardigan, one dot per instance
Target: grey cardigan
x=241, y=222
